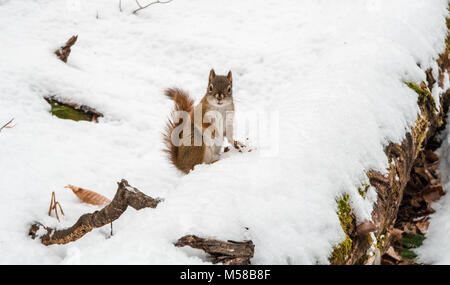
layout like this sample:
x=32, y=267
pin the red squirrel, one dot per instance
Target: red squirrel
x=194, y=134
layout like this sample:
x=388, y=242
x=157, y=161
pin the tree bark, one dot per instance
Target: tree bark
x=227, y=252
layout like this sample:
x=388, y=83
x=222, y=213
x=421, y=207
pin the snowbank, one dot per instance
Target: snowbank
x=329, y=72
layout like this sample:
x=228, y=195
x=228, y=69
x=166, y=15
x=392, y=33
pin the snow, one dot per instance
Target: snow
x=435, y=248
x=324, y=80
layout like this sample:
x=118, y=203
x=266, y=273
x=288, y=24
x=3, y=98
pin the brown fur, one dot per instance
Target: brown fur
x=186, y=157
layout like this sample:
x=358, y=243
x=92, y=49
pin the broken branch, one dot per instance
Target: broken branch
x=228, y=252
x=125, y=196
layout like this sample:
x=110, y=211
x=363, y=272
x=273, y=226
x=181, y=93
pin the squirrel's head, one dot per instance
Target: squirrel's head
x=220, y=89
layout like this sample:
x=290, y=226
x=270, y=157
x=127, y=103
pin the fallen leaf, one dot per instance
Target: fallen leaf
x=415, y=201
x=393, y=254
x=423, y=226
x=421, y=171
x=431, y=196
x=410, y=228
x=431, y=156
x=395, y=234
x=88, y=196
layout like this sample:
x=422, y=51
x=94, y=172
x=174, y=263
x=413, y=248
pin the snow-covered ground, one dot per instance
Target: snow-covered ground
x=327, y=74
x=436, y=246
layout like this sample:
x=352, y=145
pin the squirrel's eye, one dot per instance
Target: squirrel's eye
x=229, y=89
x=210, y=88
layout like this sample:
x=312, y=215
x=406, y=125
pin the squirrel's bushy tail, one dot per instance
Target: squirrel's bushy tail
x=182, y=103
x=182, y=100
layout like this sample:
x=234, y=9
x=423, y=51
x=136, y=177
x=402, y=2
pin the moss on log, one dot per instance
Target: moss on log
x=355, y=249
x=71, y=111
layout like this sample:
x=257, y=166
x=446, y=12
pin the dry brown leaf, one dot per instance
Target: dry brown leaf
x=421, y=171
x=433, y=167
x=386, y=261
x=410, y=228
x=393, y=254
x=423, y=85
x=431, y=197
x=423, y=226
x=431, y=156
x=88, y=196
x=432, y=193
x=395, y=234
x=415, y=201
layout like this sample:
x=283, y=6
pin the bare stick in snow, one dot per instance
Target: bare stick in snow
x=149, y=4
x=227, y=252
x=63, y=52
x=53, y=206
x=125, y=196
x=7, y=125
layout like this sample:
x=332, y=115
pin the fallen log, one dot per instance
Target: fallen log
x=126, y=195
x=402, y=158
x=227, y=252
x=64, y=109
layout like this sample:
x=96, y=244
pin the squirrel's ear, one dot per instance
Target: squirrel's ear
x=229, y=76
x=212, y=74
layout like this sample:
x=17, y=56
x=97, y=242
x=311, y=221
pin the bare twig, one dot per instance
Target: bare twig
x=53, y=204
x=125, y=196
x=7, y=125
x=149, y=4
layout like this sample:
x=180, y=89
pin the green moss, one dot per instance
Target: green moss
x=425, y=98
x=346, y=217
x=68, y=113
x=362, y=190
x=407, y=254
x=381, y=241
x=412, y=241
x=345, y=212
x=341, y=251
